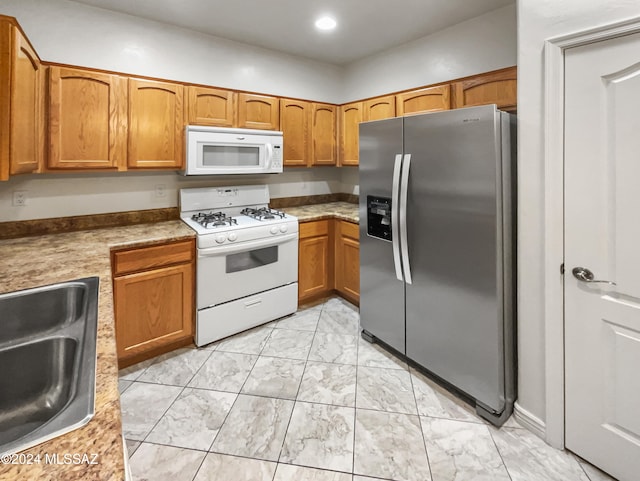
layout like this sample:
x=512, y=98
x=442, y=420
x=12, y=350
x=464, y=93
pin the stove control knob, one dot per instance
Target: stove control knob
x=274, y=230
x=283, y=228
x=232, y=236
x=220, y=239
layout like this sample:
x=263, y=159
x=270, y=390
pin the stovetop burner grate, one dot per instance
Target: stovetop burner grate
x=213, y=219
x=263, y=213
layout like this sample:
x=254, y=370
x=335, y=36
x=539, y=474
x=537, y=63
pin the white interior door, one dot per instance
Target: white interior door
x=602, y=234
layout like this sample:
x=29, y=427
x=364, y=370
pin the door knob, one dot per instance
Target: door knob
x=585, y=275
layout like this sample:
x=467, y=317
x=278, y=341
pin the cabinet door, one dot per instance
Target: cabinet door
x=498, y=88
x=294, y=120
x=153, y=308
x=87, y=119
x=379, y=108
x=6, y=33
x=420, y=101
x=323, y=128
x=207, y=106
x=27, y=122
x=315, y=273
x=156, y=125
x=350, y=118
x=347, y=260
x=258, y=112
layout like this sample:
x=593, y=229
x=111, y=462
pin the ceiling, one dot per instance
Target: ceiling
x=364, y=26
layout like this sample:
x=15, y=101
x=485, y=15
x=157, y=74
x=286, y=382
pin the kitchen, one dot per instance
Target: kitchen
x=482, y=44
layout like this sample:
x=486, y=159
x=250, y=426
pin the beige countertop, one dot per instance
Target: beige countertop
x=47, y=259
x=35, y=261
x=339, y=210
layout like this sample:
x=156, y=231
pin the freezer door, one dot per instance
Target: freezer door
x=381, y=292
x=454, y=304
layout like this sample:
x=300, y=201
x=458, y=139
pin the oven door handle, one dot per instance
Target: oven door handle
x=223, y=250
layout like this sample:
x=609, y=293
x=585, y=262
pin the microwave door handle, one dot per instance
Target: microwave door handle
x=269, y=157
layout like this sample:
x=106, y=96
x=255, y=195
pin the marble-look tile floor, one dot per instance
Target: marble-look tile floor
x=305, y=398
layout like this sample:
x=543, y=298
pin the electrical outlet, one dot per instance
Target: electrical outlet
x=19, y=198
x=161, y=191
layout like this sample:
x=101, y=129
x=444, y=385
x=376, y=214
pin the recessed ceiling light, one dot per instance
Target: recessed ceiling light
x=325, y=23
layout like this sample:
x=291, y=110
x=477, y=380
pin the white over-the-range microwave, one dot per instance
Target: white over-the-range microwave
x=219, y=151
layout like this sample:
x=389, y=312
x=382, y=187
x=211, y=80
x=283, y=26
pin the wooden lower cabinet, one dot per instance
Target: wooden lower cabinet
x=328, y=260
x=315, y=253
x=347, y=260
x=153, y=289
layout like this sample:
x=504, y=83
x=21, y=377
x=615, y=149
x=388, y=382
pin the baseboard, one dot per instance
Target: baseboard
x=529, y=421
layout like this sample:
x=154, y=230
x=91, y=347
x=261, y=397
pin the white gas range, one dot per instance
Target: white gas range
x=247, y=266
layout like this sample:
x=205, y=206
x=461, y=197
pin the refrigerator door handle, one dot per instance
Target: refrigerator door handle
x=404, y=193
x=395, y=217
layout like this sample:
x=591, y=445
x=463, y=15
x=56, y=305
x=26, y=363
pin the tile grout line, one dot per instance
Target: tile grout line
x=254, y=362
x=321, y=469
x=506, y=468
x=578, y=460
x=177, y=397
x=355, y=395
x=237, y=394
x=156, y=384
x=211, y=351
x=424, y=440
x=230, y=409
x=295, y=401
x=239, y=389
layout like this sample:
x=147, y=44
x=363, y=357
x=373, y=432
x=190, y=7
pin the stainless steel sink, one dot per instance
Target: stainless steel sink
x=48, y=359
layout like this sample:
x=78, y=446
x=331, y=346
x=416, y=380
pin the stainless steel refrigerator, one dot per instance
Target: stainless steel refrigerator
x=436, y=247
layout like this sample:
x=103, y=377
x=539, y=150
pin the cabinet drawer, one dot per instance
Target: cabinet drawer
x=313, y=229
x=144, y=258
x=349, y=229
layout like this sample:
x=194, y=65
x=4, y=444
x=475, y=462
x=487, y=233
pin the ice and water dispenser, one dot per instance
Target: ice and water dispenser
x=379, y=217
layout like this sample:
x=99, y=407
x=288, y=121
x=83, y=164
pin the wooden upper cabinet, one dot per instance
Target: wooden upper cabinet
x=156, y=125
x=294, y=121
x=323, y=128
x=258, y=112
x=87, y=119
x=430, y=99
x=498, y=88
x=350, y=118
x=379, y=108
x=21, y=108
x=27, y=97
x=208, y=106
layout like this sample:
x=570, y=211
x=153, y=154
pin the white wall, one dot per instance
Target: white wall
x=538, y=21
x=58, y=195
x=484, y=43
x=71, y=33
x=349, y=182
x=77, y=34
